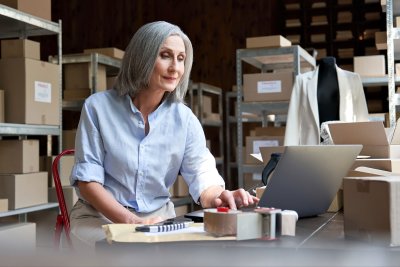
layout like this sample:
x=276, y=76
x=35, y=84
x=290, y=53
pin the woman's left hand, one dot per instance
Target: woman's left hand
x=235, y=199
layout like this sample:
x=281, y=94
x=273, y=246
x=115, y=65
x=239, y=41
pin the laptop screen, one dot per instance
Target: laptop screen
x=307, y=178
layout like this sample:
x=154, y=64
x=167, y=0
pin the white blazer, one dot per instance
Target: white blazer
x=302, y=124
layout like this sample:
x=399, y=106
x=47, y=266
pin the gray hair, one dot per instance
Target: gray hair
x=140, y=57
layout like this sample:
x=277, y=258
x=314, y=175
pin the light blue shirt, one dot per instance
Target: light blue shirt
x=111, y=148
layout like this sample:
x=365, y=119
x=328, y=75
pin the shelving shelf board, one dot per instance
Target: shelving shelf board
x=377, y=81
x=276, y=58
x=207, y=88
x=72, y=104
x=213, y=123
x=14, y=23
x=276, y=107
x=86, y=58
x=46, y=206
x=28, y=129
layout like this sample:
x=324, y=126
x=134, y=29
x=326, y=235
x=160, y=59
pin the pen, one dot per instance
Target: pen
x=156, y=228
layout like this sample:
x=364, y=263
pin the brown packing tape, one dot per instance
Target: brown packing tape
x=220, y=223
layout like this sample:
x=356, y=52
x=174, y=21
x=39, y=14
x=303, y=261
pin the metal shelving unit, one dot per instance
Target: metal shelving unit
x=201, y=89
x=392, y=9
x=112, y=67
x=265, y=59
x=17, y=24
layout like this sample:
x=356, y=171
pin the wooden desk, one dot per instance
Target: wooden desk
x=319, y=241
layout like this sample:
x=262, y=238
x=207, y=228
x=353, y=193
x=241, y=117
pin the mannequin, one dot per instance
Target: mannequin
x=327, y=93
x=328, y=90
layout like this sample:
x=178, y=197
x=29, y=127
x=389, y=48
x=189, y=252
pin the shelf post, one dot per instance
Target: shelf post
x=390, y=63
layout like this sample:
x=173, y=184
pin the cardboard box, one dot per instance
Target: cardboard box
x=270, y=131
x=38, y=8
x=70, y=196
x=381, y=40
x=68, y=139
x=80, y=76
x=19, y=156
x=24, y=190
x=32, y=91
x=2, y=119
x=20, y=48
x=267, y=41
x=267, y=86
x=206, y=107
x=370, y=65
x=215, y=117
x=371, y=208
x=65, y=167
x=18, y=237
x=3, y=204
x=76, y=94
x=107, y=51
x=371, y=134
x=390, y=165
x=253, y=144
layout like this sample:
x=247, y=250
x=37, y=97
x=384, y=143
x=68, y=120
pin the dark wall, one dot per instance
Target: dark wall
x=216, y=28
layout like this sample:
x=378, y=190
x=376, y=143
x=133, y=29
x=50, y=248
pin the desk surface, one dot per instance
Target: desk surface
x=319, y=241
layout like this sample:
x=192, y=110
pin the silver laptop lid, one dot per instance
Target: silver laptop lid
x=307, y=178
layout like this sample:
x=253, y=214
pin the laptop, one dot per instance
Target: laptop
x=306, y=179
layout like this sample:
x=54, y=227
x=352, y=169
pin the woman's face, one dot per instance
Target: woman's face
x=169, y=66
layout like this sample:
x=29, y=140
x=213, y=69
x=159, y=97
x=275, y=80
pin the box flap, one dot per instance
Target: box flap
x=257, y=156
x=365, y=133
x=373, y=171
x=267, y=151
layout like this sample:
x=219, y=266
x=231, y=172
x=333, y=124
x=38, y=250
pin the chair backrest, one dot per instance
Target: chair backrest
x=63, y=217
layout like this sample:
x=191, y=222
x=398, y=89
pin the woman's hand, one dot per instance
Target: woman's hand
x=215, y=196
x=235, y=199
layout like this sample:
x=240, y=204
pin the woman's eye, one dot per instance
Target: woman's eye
x=164, y=55
x=181, y=58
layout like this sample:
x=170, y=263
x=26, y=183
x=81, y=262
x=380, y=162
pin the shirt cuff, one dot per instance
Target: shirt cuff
x=87, y=172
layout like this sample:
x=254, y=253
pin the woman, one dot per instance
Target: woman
x=133, y=140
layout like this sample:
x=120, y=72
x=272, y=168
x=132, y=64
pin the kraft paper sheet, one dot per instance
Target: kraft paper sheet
x=127, y=233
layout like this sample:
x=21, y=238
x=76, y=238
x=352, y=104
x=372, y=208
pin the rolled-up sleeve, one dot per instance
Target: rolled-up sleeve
x=198, y=166
x=89, y=149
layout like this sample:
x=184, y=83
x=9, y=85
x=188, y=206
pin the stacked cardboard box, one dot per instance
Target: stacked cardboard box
x=370, y=65
x=267, y=86
x=66, y=164
x=80, y=80
x=38, y=8
x=31, y=86
x=20, y=180
x=372, y=211
x=381, y=147
x=107, y=51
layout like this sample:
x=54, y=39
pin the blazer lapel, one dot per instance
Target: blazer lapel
x=312, y=96
x=346, y=102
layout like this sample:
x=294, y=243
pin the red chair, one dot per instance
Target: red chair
x=62, y=217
